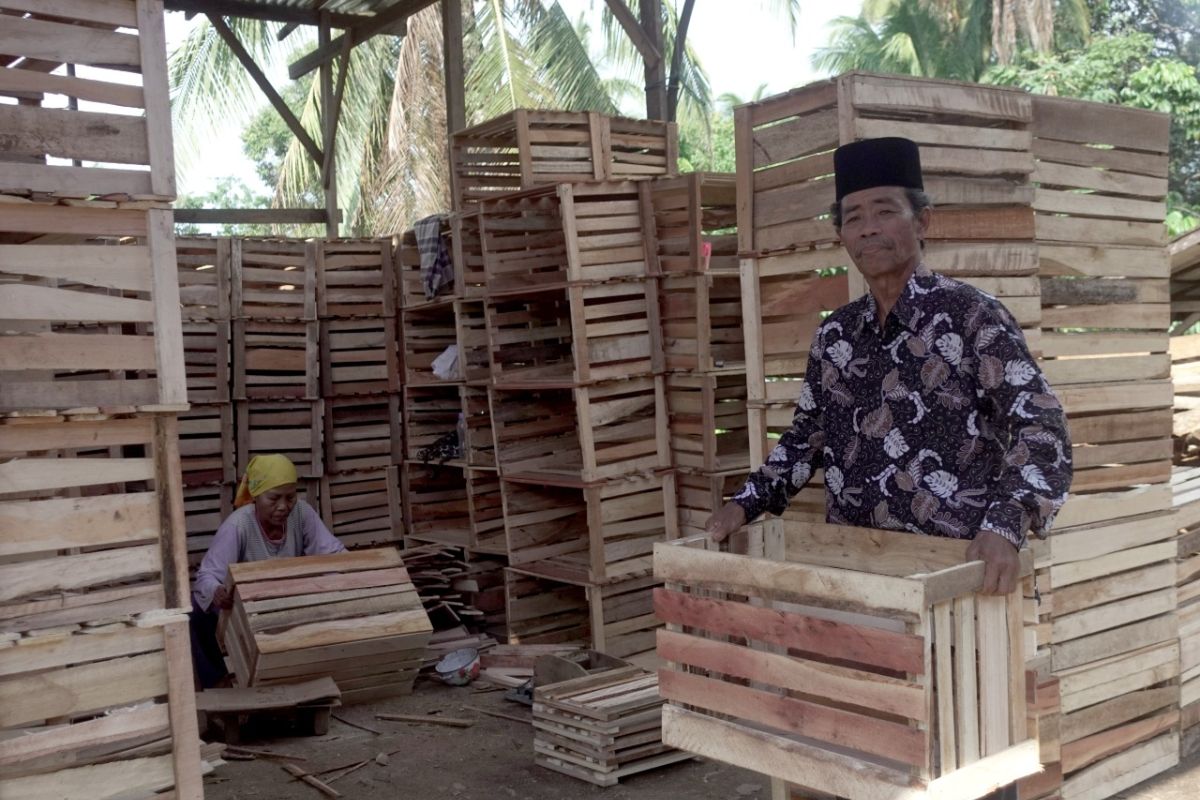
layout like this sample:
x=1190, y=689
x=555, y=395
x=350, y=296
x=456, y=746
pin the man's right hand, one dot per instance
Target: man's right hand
x=724, y=522
x=222, y=598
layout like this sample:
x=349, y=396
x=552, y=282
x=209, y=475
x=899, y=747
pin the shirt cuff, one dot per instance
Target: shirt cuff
x=1009, y=519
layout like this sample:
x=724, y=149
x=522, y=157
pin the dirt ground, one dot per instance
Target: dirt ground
x=493, y=760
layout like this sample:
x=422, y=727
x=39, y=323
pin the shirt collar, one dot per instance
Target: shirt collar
x=909, y=309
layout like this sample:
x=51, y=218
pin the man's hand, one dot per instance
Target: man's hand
x=222, y=598
x=726, y=521
x=1000, y=563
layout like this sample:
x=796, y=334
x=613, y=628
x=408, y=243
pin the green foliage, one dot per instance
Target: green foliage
x=708, y=149
x=1126, y=69
x=229, y=193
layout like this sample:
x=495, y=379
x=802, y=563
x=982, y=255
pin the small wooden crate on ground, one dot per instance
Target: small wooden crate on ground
x=585, y=433
x=291, y=428
x=363, y=508
x=354, y=617
x=527, y=148
x=602, y=725
x=913, y=685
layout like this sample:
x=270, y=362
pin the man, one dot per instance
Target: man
x=270, y=522
x=921, y=400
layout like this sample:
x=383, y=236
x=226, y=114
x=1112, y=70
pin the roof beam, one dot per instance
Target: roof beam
x=248, y=9
x=634, y=30
x=358, y=33
x=260, y=78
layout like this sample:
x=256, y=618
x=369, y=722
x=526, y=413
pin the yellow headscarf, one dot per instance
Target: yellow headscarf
x=263, y=474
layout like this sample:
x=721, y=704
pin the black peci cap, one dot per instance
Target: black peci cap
x=890, y=161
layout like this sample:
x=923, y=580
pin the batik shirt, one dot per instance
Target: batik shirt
x=941, y=422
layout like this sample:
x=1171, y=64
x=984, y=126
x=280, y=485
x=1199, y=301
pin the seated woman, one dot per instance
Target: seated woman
x=270, y=522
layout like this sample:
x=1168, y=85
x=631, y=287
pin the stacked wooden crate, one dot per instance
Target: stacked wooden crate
x=355, y=617
x=1185, y=486
x=694, y=219
x=207, y=445
x=360, y=491
x=95, y=670
x=975, y=155
x=578, y=405
x=526, y=148
x=1114, y=631
x=857, y=663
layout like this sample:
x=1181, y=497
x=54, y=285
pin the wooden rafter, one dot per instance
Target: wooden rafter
x=264, y=84
x=358, y=33
x=270, y=13
x=633, y=29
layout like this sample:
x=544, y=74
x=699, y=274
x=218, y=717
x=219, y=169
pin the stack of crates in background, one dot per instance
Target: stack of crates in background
x=360, y=491
x=96, y=692
x=695, y=223
x=1114, y=632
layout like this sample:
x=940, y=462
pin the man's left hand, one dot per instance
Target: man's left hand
x=1000, y=563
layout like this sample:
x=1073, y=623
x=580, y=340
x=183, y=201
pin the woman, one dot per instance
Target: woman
x=270, y=522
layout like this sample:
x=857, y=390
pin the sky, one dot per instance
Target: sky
x=740, y=43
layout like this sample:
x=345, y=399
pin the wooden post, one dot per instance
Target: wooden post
x=656, y=70
x=452, y=56
x=328, y=133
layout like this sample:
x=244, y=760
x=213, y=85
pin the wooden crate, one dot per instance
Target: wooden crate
x=102, y=711
x=355, y=278
x=477, y=416
x=567, y=234
x=575, y=335
x=291, y=428
x=433, y=424
x=367, y=633
x=588, y=433
x=695, y=223
x=527, y=148
x=1187, y=582
x=583, y=532
x=436, y=508
x=601, y=727
x=359, y=357
x=206, y=444
x=428, y=330
x=709, y=425
x=702, y=322
x=460, y=236
x=91, y=520
x=274, y=279
x=1043, y=716
x=1185, y=379
x=975, y=153
x=276, y=360
x=206, y=361
x=485, y=507
x=205, y=276
x=913, y=685
x=89, y=324
x=363, y=508
x=205, y=507
x=616, y=618
x=129, y=154
x=362, y=433
x=1101, y=175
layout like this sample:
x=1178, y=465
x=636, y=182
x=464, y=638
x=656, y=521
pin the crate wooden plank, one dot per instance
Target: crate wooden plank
x=359, y=357
x=355, y=278
x=292, y=428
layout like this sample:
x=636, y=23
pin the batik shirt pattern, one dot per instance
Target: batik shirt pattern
x=940, y=423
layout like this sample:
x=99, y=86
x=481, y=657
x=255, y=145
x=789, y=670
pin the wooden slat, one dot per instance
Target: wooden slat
x=132, y=725
x=117, y=13
x=114, y=779
x=77, y=571
x=80, y=689
x=68, y=44
x=65, y=351
x=87, y=135
x=20, y=301
x=30, y=526
x=49, y=652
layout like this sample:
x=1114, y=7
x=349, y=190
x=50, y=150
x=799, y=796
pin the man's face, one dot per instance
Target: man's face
x=880, y=231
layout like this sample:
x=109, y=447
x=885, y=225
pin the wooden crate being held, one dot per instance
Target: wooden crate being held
x=527, y=148
x=615, y=618
x=585, y=433
x=917, y=687
x=291, y=428
x=598, y=722
x=89, y=323
x=367, y=631
x=363, y=508
x=583, y=532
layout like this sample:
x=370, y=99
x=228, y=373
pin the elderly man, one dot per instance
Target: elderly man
x=921, y=400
